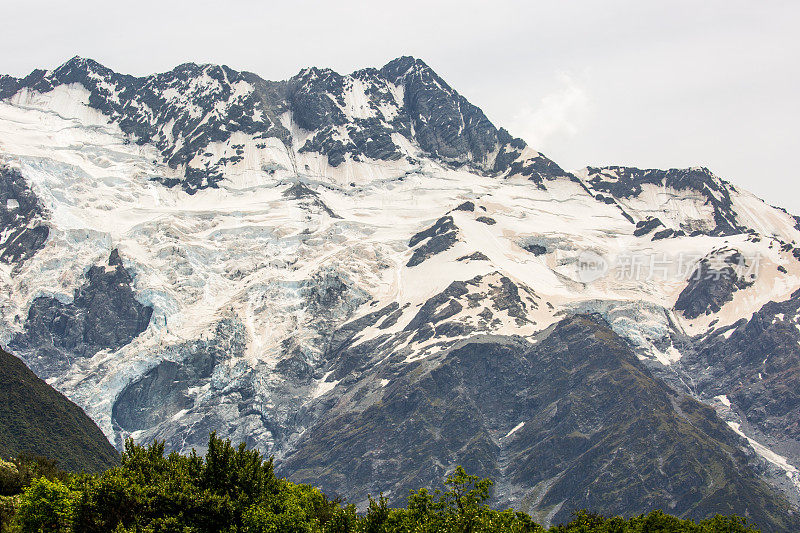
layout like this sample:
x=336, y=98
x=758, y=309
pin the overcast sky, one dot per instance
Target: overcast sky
x=645, y=83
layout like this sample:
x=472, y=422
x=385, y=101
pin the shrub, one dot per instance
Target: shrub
x=8, y=508
x=46, y=506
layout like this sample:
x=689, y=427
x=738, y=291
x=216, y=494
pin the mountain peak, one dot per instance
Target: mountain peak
x=82, y=64
x=405, y=64
x=353, y=118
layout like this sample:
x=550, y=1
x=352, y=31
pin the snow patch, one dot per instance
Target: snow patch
x=324, y=386
x=514, y=430
x=723, y=399
x=778, y=460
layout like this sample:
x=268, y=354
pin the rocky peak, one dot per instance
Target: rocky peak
x=444, y=123
x=315, y=96
x=86, y=72
x=628, y=181
x=625, y=183
x=408, y=67
x=9, y=85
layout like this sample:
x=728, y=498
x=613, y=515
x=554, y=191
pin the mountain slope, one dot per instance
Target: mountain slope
x=545, y=420
x=36, y=419
x=203, y=249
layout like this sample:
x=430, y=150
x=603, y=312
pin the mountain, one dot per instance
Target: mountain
x=361, y=275
x=196, y=116
x=544, y=419
x=36, y=419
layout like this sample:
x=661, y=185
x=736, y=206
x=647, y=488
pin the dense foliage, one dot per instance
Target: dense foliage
x=20, y=473
x=234, y=490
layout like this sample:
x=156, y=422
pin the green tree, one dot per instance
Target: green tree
x=46, y=507
x=234, y=490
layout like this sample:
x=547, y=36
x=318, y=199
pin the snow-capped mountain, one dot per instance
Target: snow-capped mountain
x=363, y=276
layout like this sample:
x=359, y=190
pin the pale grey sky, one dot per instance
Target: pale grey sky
x=647, y=83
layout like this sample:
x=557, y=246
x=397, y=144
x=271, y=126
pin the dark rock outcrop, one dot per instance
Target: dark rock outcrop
x=104, y=314
x=756, y=364
x=475, y=256
x=309, y=197
x=22, y=216
x=466, y=206
x=712, y=284
x=442, y=236
x=444, y=123
x=643, y=227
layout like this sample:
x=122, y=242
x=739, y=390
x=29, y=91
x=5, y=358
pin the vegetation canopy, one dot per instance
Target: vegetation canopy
x=235, y=490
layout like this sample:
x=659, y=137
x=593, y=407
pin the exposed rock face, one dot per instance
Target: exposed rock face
x=318, y=97
x=103, y=315
x=193, y=389
x=9, y=85
x=161, y=393
x=755, y=364
x=643, y=227
x=537, y=169
x=22, y=228
x=446, y=125
x=436, y=239
x=475, y=256
x=309, y=198
x=713, y=282
x=544, y=420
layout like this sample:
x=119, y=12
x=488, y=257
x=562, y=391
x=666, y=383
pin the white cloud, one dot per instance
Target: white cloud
x=559, y=114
